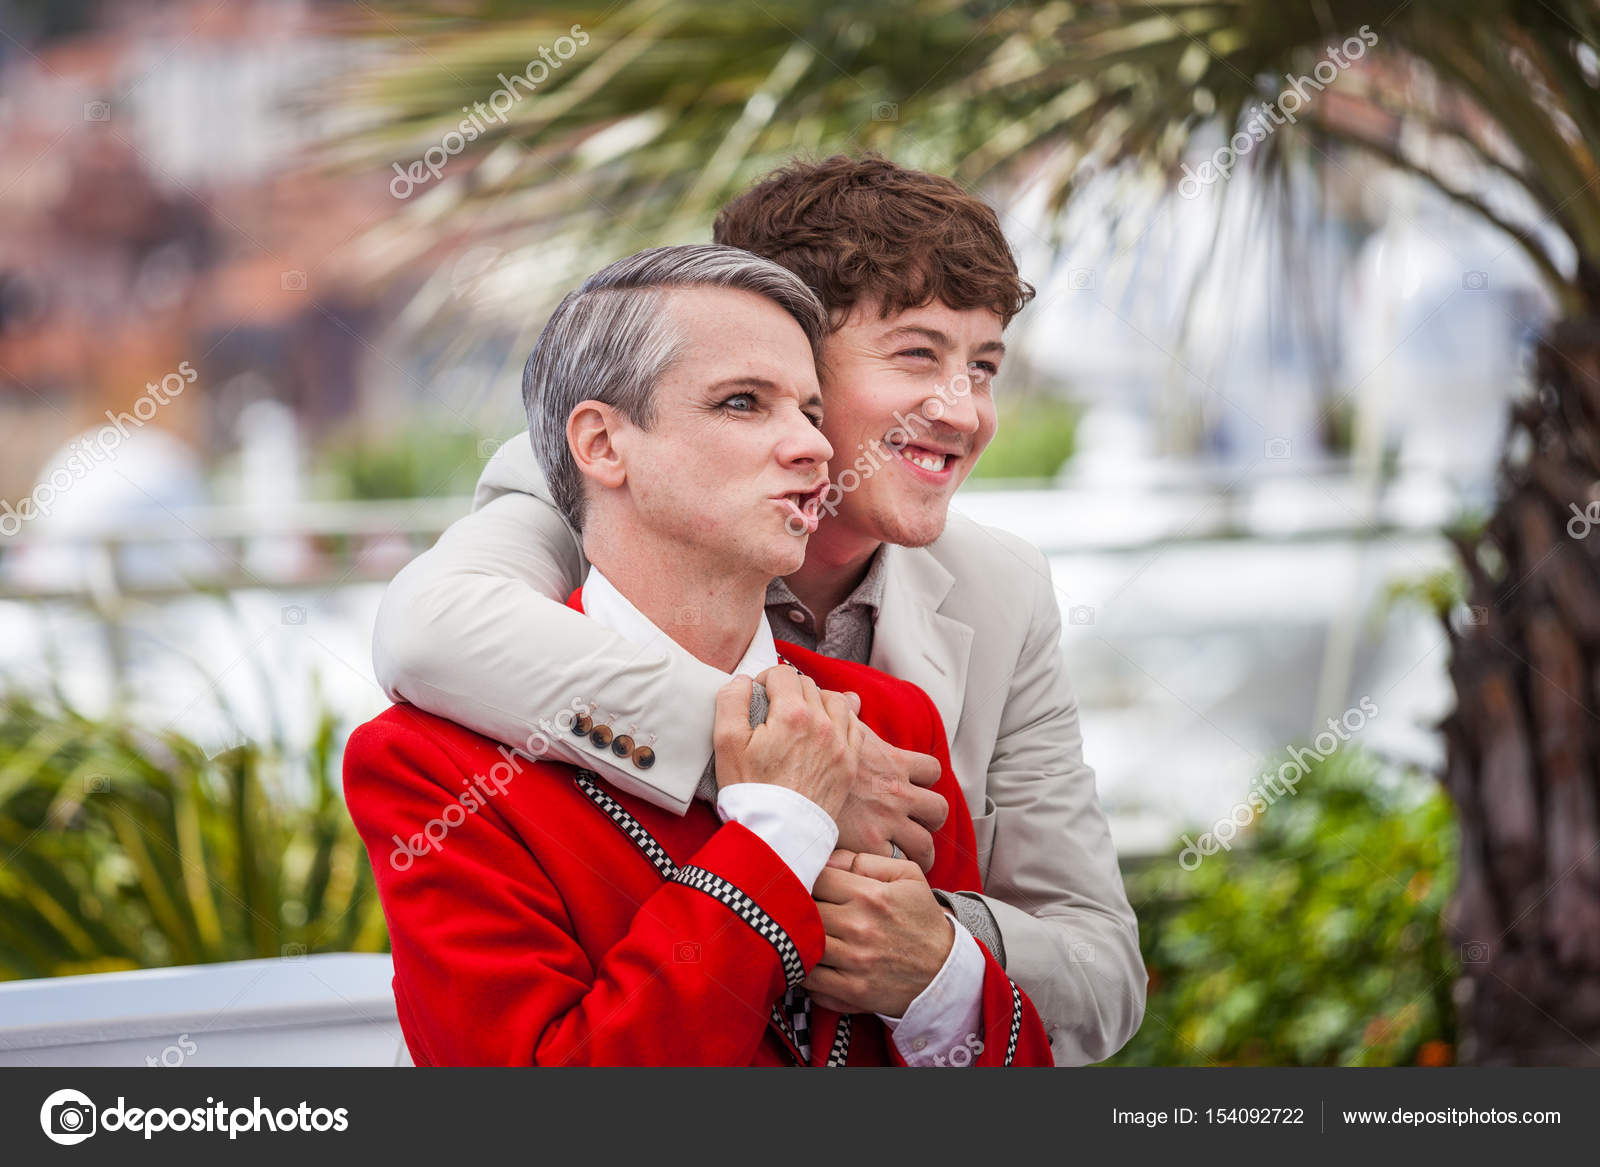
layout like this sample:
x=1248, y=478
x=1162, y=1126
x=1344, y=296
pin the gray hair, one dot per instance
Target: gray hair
x=612, y=341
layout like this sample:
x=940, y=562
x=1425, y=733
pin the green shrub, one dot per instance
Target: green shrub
x=122, y=849
x=1316, y=941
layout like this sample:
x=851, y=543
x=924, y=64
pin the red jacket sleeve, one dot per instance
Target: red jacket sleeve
x=1012, y=1032
x=488, y=968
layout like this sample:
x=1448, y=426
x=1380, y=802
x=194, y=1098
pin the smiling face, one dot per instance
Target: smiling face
x=910, y=408
x=734, y=463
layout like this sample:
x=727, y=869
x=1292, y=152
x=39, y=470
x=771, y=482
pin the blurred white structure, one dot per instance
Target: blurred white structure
x=145, y=481
x=271, y=474
x=328, y=1010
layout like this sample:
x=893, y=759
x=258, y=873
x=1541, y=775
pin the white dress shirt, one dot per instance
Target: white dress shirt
x=940, y=1026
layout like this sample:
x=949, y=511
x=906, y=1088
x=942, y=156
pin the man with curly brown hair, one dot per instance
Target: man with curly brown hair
x=919, y=284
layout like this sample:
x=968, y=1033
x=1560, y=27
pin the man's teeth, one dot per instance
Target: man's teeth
x=934, y=462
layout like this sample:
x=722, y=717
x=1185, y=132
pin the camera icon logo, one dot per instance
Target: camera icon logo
x=294, y=614
x=885, y=111
x=1081, y=279
x=686, y=952
x=1475, y=281
x=293, y=281
x=1080, y=614
x=487, y=447
x=1474, y=952
x=68, y=1117
x=1276, y=448
x=97, y=111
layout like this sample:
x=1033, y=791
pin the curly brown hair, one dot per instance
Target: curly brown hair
x=855, y=229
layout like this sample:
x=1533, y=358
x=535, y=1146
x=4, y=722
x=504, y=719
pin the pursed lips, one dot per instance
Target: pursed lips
x=804, y=506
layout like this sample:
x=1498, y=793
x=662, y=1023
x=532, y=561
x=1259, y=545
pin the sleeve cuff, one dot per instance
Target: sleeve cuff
x=943, y=1025
x=791, y=824
x=742, y=858
x=976, y=917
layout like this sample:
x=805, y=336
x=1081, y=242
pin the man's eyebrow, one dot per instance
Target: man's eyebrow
x=745, y=382
x=814, y=401
x=939, y=339
x=907, y=331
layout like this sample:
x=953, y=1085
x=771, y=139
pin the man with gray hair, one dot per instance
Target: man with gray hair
x=674, y=402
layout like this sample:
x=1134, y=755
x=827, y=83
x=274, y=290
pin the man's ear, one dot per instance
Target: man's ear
x=591, y=432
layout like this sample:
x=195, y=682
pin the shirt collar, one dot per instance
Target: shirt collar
x=604, y=603
x=868, y=593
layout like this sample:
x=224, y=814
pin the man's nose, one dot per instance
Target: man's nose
x=803, y=444
x=959, y=410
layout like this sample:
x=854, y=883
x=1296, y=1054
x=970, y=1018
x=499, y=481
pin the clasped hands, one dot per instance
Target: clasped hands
x=887, y=936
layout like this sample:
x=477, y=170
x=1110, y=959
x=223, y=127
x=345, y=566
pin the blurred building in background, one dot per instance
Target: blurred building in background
x=157, y=210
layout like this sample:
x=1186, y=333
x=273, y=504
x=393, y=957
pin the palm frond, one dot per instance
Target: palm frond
x=673, y=107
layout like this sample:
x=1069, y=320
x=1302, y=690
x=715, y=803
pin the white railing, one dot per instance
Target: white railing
x=327, y=1010
x=327, y=544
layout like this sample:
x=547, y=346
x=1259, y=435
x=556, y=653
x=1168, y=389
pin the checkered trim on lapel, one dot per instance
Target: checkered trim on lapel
x=658, y=857
x=840, y=1051
x=632, y=827
x=794, y=969
x=1016, y=1024
x=786, y=1030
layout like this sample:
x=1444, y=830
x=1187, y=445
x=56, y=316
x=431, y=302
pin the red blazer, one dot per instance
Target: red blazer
x=529, y=927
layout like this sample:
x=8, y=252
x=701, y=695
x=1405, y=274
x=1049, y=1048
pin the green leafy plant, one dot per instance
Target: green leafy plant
x=1317, y=940
x=1035, y=438
x=122, y=849
x=420, y=460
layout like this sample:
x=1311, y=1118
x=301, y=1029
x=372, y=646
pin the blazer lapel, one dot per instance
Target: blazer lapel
x=913, y=641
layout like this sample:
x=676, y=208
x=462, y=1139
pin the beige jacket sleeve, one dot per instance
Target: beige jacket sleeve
x=477, y=629
x=1053, y=881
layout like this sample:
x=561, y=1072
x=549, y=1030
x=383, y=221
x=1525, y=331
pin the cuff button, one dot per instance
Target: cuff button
x=644, y=757
x=622, y=746
x=582, y=724
x=601, y=736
